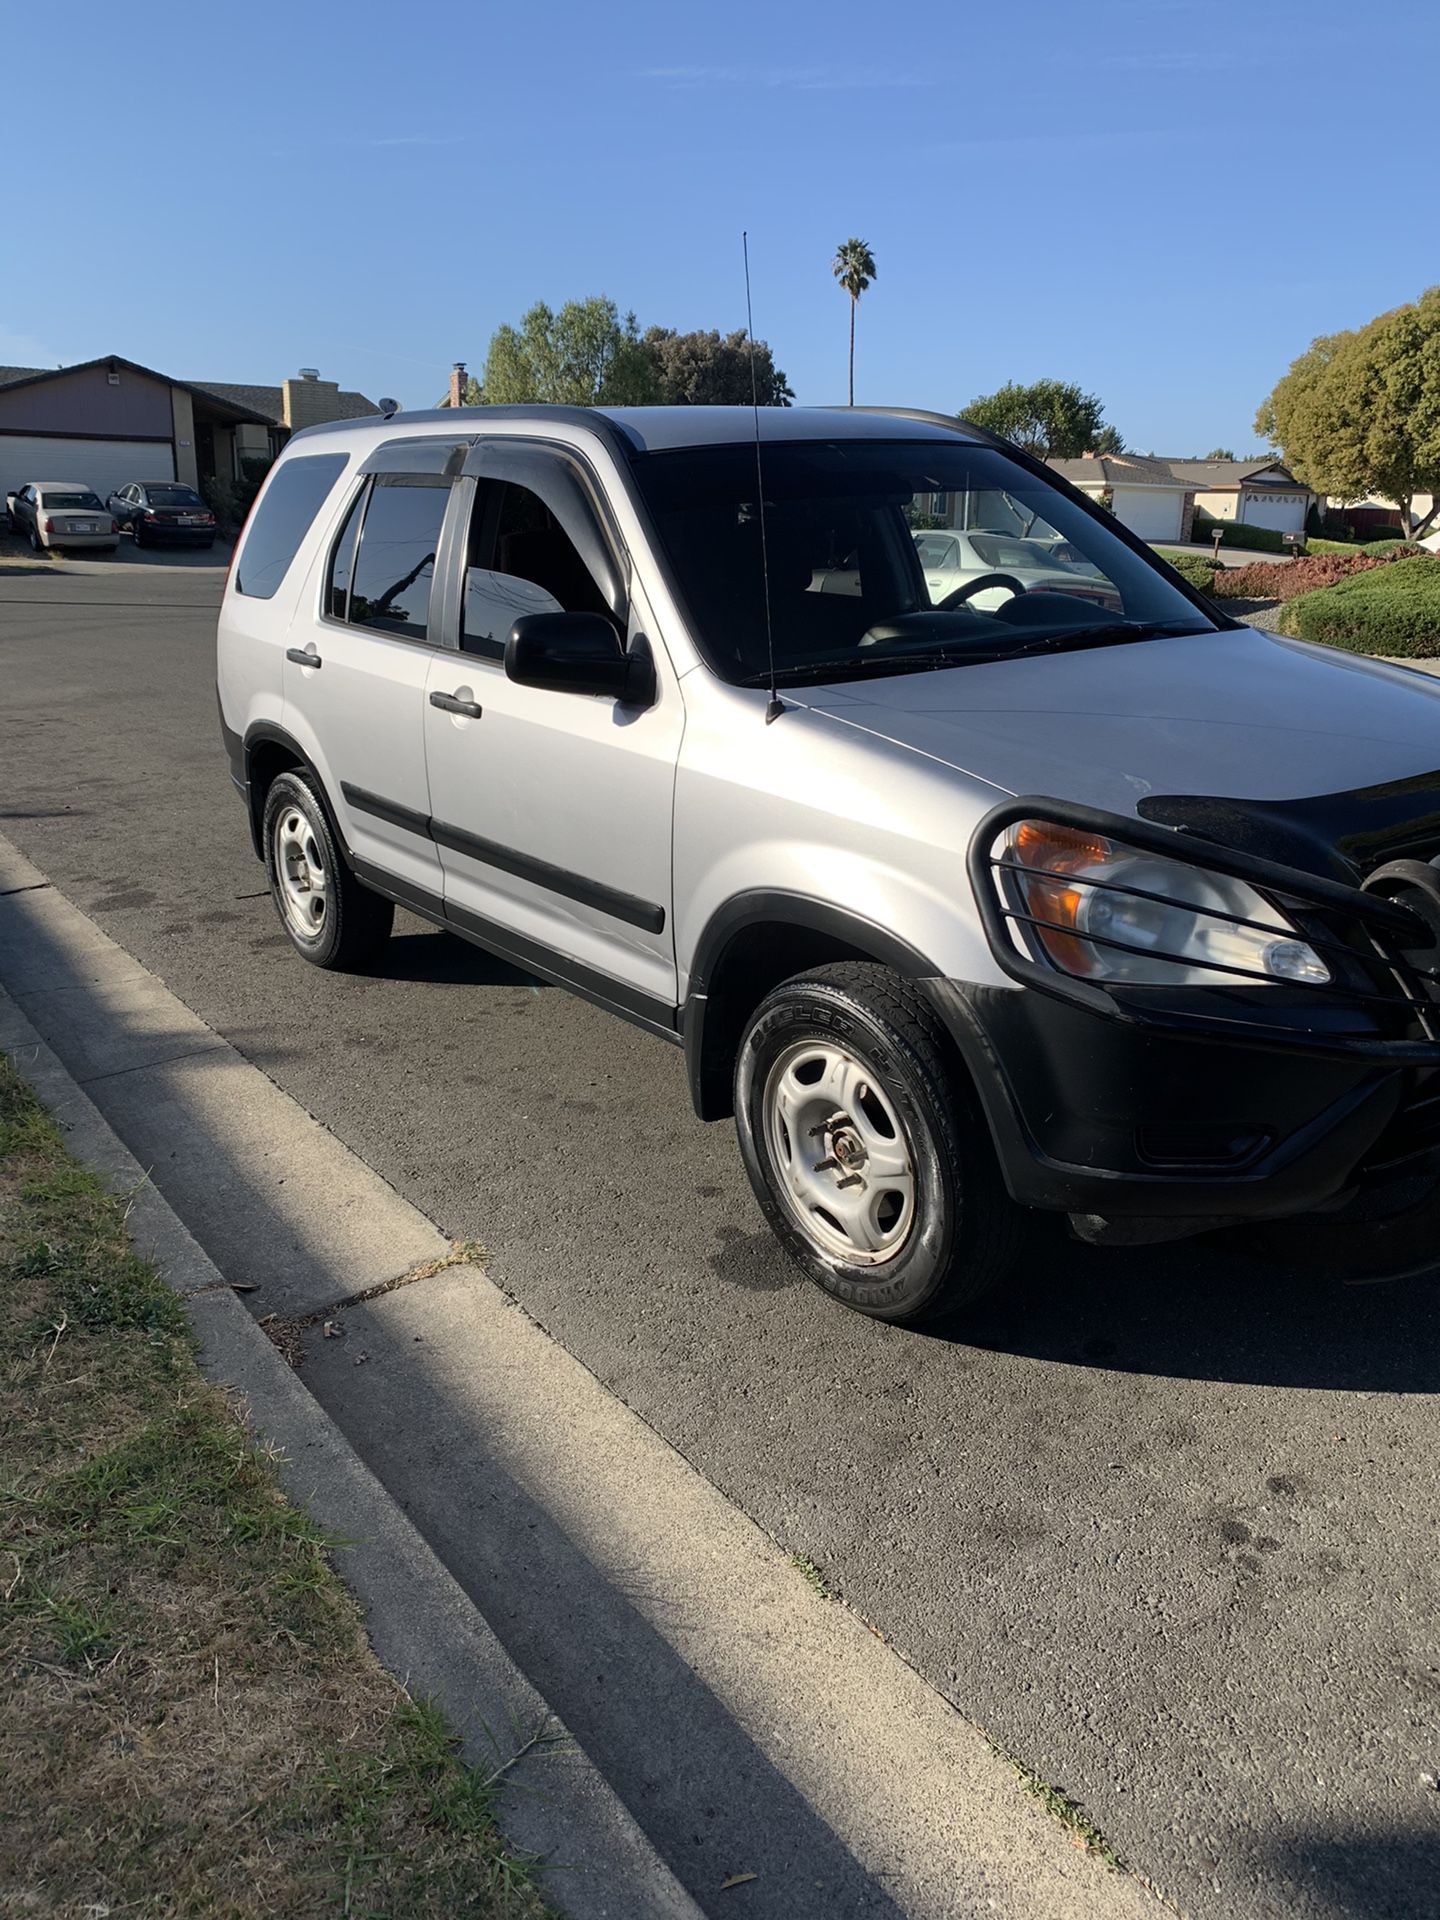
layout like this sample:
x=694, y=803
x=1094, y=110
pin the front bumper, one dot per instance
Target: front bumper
x=1093, y=1116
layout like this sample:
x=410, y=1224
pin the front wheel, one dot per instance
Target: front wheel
x=868, y=1157
x=331, y=919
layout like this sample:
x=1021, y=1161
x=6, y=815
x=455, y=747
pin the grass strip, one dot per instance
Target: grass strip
x=193, y=1722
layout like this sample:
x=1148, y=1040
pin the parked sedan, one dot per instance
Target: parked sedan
x=955, y=562
x=163, y=510
x=62, y=513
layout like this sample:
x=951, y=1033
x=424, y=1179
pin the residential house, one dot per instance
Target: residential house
x=1258, y=493
x=1144, y=494
x=110, y=421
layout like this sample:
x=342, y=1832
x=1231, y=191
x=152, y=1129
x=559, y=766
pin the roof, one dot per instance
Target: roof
x=1221, y=474
x=67, y=486
x=1120, y=470
x=270, y=401
x=32, y=376
x=664, y=429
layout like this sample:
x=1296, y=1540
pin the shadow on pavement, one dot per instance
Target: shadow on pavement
x=1210, y=1309
x=1371, y=1875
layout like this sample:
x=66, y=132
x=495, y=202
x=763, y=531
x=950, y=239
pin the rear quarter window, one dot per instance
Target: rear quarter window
x=283, y=517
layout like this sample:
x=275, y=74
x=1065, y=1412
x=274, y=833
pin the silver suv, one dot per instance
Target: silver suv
x=1053, y=890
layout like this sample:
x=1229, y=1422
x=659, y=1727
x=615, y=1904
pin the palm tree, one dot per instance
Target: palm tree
x=854, y=267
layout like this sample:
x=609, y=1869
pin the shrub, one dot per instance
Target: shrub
x=1389, y=609
x=1270, y=581
x=1198, y=571
x=1331, y=546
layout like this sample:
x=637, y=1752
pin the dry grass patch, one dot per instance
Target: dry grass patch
x=193, y=1722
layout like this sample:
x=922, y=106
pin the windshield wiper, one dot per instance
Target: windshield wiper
x=964, y=653
x=1104, y=633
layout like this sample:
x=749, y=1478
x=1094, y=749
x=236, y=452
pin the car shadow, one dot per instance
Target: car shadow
x=432, y=955
x=1210, y=1309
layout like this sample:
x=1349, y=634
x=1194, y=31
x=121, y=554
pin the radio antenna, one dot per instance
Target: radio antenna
x=775, y=708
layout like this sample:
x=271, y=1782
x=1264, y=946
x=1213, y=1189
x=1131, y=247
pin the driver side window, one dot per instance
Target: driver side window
x=519, y=560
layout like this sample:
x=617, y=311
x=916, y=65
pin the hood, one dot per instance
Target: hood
x=1248, y=723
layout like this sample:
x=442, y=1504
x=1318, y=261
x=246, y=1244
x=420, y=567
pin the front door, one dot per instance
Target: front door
x=552, y=811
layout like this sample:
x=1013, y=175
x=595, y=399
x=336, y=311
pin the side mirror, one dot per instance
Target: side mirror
x=578, y=653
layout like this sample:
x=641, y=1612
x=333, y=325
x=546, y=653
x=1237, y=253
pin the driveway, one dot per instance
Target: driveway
x=1164, y=1521
x=16, y=556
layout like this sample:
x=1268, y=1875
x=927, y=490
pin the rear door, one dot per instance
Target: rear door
x=552, y=811
x=358, y=658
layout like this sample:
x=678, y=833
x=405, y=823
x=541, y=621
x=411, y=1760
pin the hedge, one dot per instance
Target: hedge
x=1391, y=609
x=1238, y=534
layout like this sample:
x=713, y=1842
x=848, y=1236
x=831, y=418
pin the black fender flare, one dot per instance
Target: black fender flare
x=708, y=1067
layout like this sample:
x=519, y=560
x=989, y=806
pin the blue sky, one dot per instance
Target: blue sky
x=1161, y=200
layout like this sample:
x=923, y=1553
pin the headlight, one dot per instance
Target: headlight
x=1104, y=911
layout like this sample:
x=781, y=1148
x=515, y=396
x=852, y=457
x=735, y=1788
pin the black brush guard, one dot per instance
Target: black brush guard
x=1380, y=942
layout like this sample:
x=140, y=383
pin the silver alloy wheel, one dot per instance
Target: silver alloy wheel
x=841, y=1155
x=300, y=869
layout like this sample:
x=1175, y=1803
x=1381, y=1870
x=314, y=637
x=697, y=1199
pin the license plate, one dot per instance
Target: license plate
x=189, y=520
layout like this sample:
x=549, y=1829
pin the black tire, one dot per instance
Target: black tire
x=35, y=542
x=964, y=1230
x=135, y=530
x=351, y=931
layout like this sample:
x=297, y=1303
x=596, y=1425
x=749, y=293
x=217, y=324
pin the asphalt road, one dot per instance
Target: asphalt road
x=1165, y=1523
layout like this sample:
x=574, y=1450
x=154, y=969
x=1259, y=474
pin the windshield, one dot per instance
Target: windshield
x=78, y=499
x=887, y=555
x=173, y=497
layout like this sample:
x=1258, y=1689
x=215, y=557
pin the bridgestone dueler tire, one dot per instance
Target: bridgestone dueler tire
x=357, y=921
x=967, y=1231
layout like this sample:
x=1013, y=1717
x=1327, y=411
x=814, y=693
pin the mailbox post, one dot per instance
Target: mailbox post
x=1217, y=536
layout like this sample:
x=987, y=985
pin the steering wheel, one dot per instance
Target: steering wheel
x=980, y=584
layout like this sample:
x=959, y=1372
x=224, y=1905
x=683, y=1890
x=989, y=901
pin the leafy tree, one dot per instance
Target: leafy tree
x=1359, y=412
x=1050, y=418
x=1108, y=441
x=713, y=370
x=586, y=355
x=854, y=267
x=1219, y=453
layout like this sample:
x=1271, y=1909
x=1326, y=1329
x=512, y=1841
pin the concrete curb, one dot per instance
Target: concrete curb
x=423, y=1625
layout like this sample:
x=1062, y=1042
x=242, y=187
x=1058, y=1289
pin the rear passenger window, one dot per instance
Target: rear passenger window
x=393, y=571
x=281, y=521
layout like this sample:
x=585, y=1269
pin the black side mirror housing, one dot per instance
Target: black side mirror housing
x=579, y=653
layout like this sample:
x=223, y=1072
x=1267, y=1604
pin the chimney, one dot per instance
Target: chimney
x=1088, y=454
x=457, y=384
x=308, y=400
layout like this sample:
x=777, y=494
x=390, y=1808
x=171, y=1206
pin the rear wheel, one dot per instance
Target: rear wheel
x=331, y=919
x=35, y=541
x=871, y=1163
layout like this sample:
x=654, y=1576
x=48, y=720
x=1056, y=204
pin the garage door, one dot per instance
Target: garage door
x=1285, y=512
x=101, y=464
x=1152, y=512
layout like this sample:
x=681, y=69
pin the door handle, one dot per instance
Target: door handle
x=447, y=703
x=302, y=658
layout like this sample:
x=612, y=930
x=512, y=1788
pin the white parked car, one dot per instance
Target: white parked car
x=62, y=513
x=952, y=560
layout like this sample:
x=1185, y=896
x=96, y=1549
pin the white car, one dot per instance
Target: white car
x=952, y=560
x=62, y=513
